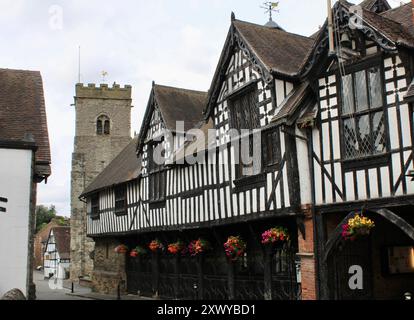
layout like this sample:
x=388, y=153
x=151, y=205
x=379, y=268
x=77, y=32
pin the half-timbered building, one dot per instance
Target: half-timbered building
x=56, y=256
x=357, y=138
x=334, y=120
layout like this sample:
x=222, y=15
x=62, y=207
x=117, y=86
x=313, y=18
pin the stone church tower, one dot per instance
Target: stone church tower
x=103, y=129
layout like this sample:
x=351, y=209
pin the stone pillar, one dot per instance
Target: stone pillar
x=307, y=258
x=109, y=268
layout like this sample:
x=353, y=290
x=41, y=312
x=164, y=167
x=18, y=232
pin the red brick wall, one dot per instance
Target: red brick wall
x=306, y=254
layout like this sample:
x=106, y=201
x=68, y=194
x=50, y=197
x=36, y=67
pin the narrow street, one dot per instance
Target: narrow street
x=44, y=291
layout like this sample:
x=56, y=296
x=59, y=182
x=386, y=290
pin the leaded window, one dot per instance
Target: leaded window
x=103, y=125
x=95, y=206
x=120, y=200
x=244, y=111
x=271, y=149
x=157, y=174
x=362, y=114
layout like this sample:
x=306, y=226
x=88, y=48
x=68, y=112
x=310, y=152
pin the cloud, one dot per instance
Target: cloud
x=172, y=42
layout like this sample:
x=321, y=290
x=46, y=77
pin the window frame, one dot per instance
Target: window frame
x=238, y=95
x=103, y=125
x=157, y=177
x=371, y=160
x=95, y=208
x=120, y=193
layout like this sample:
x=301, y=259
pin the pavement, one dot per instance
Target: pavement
x=49, y=290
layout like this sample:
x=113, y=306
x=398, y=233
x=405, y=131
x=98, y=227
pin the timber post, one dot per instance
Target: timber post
x=200, y=286
x=267, y=278
x=155, y=273
x=230, y=280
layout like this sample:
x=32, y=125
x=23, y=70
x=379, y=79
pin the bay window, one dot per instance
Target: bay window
x=362, y=114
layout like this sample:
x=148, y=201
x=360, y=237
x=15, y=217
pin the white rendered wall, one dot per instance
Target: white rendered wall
x=15, y=181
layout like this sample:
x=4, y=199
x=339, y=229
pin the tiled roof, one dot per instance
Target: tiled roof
x=62, y=238
x=125, y=167
x=177, y=104
x=280, y=51
x=22, y=110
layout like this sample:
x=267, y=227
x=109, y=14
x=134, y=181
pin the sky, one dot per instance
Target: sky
x=175, y=43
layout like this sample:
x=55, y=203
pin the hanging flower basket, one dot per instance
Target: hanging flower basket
x=156, y=245
x=234, y=247
x=357, y=227
x=197, y=247
x=275, y=236
x=121, y=249
x=138, y=251
x=176, y=248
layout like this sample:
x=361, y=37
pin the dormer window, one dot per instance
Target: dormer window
x=243, y=109
x=103, y=125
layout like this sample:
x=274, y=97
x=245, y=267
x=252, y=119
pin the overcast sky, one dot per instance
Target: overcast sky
x=175, y=43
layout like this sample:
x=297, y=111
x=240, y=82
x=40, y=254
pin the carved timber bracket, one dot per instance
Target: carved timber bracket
x=343, y=20
x=256, y=65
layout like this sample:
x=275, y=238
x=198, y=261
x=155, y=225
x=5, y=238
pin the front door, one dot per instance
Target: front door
x=351, y=259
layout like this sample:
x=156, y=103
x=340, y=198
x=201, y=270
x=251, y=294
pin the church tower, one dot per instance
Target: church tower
x=103, y=129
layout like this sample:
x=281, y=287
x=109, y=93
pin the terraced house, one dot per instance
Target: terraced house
x=334, y=115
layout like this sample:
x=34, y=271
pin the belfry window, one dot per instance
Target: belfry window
x=362, y=114
x=103, y=125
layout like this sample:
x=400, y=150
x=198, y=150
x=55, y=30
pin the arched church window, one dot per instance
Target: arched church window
x=107, y=127
x=103, y=125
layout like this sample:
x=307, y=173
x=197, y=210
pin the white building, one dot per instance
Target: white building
x=24, y=162
x=57, y=253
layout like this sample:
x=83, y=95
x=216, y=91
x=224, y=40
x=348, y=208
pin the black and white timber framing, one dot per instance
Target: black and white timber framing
x=340, y=128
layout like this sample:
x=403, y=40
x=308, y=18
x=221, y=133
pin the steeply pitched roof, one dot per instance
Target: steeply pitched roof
x=177, y=104
x=293, y=101
x=22, y=111
x=62, y=238
x=391, y=33
x=392, y=29
x=403, y=15
x=125, y=167
x=280, y=51
x=376, y=6
x=276, y=51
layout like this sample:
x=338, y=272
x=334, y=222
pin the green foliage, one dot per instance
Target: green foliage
x=44, y=215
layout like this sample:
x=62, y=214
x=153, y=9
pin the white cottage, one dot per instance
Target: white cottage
x=56, y=260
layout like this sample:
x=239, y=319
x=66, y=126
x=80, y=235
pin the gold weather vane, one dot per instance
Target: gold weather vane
x=104, y=74
x=270, y=7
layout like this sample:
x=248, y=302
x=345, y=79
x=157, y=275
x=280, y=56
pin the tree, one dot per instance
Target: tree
x=44, y=215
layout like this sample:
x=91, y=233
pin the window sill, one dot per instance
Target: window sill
x=121, y=213
x=366, y=162
x=95, y=216
x=249, y=182
x=157, y=204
